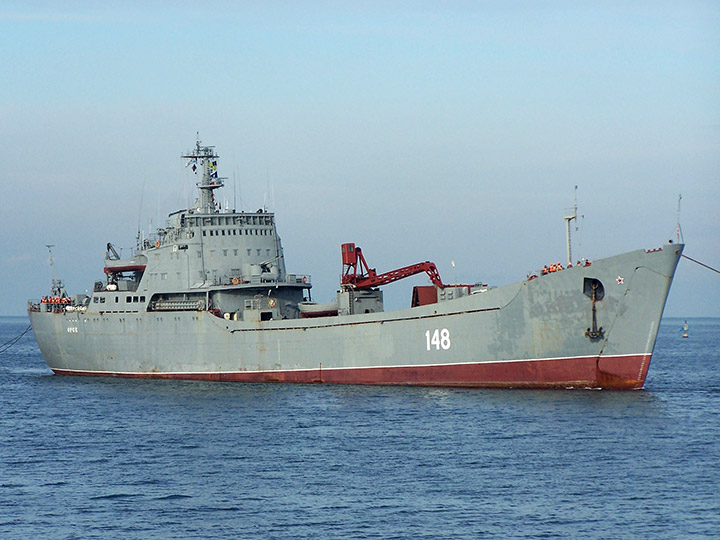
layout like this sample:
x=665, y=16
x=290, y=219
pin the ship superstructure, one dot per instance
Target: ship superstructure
x=208, y=297
x=205, y=259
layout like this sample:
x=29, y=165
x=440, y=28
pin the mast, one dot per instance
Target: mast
x=51, y=261
x=568, y=219
x=679, y=233
x=210, y=180
x=57, y=288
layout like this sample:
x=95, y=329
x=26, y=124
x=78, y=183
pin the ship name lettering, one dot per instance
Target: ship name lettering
x=437, y=339
x=72, y=329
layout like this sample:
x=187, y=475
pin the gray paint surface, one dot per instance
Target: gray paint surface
x=214, y=297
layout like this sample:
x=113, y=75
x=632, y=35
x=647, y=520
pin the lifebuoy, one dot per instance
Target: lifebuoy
x=304, y=279
x=157, y=243
x=235, y=281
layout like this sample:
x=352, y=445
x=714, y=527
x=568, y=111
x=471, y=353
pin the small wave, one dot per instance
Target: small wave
x=146, y=482
x=173, y=497
x=115, y=496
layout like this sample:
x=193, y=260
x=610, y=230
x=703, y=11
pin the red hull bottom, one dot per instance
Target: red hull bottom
x=611, y=372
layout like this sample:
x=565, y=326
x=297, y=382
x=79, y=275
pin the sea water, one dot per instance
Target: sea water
x=117, y=458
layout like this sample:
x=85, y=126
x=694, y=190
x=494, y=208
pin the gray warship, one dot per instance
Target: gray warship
x=208, y=297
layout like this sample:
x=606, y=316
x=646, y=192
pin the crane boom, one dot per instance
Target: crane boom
x=356, y=271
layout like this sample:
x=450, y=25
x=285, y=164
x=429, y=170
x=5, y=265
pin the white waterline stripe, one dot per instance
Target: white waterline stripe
x=319, y=368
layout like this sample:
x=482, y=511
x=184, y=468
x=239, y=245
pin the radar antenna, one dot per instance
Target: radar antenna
x=206, y=158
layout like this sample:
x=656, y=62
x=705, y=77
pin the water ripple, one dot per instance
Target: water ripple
x=107, y=458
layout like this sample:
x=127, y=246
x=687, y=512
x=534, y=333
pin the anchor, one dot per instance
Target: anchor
x=593, y=289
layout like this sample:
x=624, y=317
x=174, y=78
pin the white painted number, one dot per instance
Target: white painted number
x=437, y=339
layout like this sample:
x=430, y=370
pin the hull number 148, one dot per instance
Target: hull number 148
x=437, y=339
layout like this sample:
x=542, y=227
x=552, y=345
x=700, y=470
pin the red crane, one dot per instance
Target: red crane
x=357, y=272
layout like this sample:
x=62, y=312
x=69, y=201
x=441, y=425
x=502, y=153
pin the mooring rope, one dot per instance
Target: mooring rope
x=702, y=264
x=8, y=344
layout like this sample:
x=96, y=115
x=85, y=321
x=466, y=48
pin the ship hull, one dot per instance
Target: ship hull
x=627, y=372
x=532, y=334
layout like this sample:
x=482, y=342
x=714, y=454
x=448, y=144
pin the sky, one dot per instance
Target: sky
x=424, y=130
